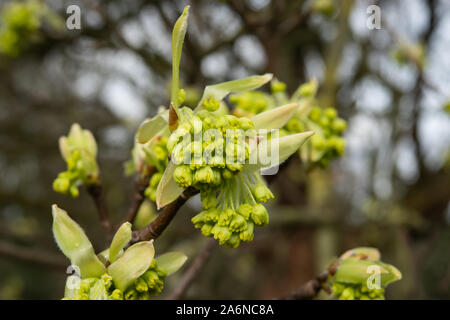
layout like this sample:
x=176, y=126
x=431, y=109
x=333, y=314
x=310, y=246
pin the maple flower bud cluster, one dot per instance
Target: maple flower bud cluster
x=208, y=148
x=231, y=211
x=79, y=150
x=151, y=283
x=327, y=143
x=156, y=155
x=346, y=291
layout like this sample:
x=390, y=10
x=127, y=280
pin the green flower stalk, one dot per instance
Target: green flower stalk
x=79, y=150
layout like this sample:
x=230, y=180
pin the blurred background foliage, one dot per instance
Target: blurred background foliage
x=390, y=190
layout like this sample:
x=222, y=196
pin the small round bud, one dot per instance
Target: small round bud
x=183, y=176
x=277, y=86
x=245, y=210
x=339, y=125
x=262, y=193
x=234, y=241
x=211, y=104
x=330, y=113
x=204, y=175
x=259, y=215
x=181, y=96
x=315, y=114
x=155, y=179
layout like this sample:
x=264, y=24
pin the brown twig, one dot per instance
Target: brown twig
x=95, y=191
x=308, y=290
x=34, y=256
x=194, y=270
x=139, y=195
x=156, y=228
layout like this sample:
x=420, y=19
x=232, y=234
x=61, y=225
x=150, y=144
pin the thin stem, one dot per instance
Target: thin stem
x=157, y=227
x=194, y=269
x=95, y=191
x=34, y=256
x=139, y=195
x=308, y=290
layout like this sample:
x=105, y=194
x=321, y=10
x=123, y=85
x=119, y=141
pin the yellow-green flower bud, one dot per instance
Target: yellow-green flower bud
x=225, y=217
x=181, y=96
x=315, y=114
x=199, y=219
x=227, y=174
x=61, y=185
x=246, y=123
x=221, y=233
x=308, y=89
x=140, y=285
x=212, y=215
x=245, y=210
x=330, y=113
x=74, y=191
x=339, y=125
x=234, y=241
x=204, y=175
x=277, y=86
x=155, y=179
x=183, y=176
x=262, y=193
x=209, y=198
x=234, y=167
x=211, y=104
x=259, y=215
x=131, y=294
x=207, y=230
x=116, y=295
x=247, y=235
x=238, y=223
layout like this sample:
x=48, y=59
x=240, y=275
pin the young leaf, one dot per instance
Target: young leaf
x=357, y=271
x=363, y=252
x=178, y=34
x=274, y=118
x=170, y=262
x=287, y=145
x=132, y=264
x=150, y=128
x=167, y=190
x=75, y=245
x=220, y=90
x=120, y=240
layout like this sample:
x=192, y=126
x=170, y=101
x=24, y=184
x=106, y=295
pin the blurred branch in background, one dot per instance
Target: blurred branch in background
x=391, y=190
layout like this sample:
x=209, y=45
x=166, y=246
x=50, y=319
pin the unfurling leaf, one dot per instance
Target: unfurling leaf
x=178, y=34
x=220, y=90
x=168, y=190
x=120, y=240
x=356, y=271
x=287, y=145
x=170, y=262
x=151, y=128
x=74, y=243
x=132, y=264
x=362, y=253
x=274, y=118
